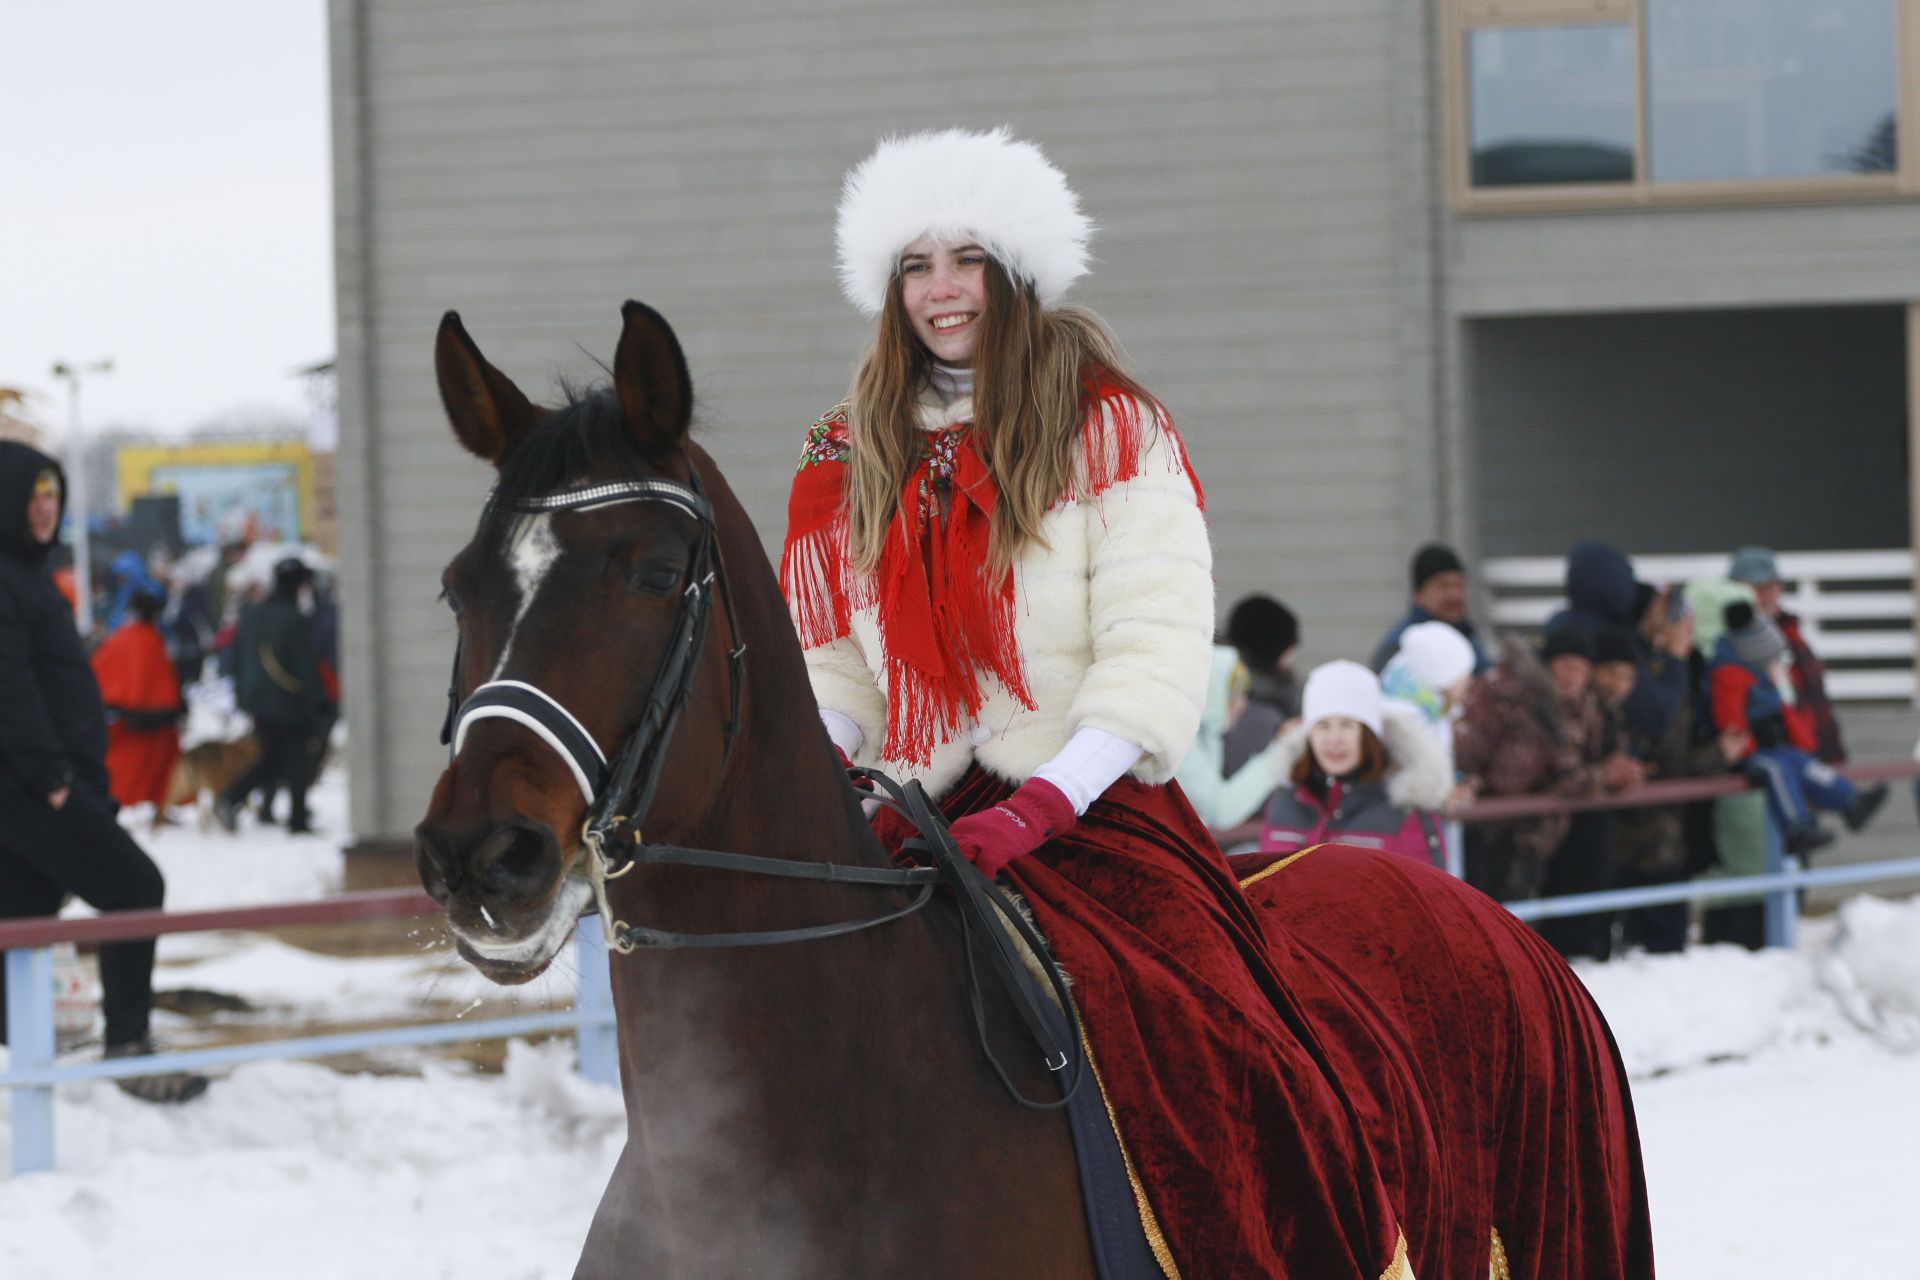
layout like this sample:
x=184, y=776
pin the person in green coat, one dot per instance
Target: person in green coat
x=277, y=682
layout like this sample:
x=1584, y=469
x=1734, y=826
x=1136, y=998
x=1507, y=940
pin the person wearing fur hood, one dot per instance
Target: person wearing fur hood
x=1364, y=769
x=997, y=563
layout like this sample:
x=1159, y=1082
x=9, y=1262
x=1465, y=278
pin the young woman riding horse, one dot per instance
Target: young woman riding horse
x=999, y=568
x=1349, y=1067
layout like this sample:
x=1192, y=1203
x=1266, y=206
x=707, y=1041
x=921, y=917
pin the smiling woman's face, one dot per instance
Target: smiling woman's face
x=943, y=289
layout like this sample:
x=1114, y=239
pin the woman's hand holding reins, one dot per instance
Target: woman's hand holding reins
x=1014, y=828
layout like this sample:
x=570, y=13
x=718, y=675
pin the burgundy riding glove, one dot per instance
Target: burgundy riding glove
x=1015, y=827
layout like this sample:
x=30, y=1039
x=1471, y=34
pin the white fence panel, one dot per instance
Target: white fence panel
x=1856, y=607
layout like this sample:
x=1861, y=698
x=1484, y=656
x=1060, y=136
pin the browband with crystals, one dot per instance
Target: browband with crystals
x=593, y=497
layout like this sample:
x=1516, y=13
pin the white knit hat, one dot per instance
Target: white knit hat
x=1341, y=688
x=1437, y=653
x=957, y=185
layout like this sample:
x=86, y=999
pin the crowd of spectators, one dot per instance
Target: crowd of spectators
x=1630, y=681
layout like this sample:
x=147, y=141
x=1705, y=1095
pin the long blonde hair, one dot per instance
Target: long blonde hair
x=1031, y=369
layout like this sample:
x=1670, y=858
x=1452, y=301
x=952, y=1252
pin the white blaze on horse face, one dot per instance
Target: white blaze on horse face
x=529, y=556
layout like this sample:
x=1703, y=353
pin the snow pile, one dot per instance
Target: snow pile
x=1712, y=1004
x=309, y=1174
x=1873, y=968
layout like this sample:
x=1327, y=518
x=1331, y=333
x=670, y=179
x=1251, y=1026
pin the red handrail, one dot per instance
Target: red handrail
x=115, y=926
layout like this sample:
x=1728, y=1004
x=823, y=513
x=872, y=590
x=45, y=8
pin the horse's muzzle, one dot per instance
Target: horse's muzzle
x=504, y=888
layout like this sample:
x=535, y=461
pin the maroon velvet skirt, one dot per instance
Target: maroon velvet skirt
x=1350, y=1060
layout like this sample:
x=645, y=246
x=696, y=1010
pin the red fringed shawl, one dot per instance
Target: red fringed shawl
x=944, y=623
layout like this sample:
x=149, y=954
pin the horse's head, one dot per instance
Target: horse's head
x=577, y=600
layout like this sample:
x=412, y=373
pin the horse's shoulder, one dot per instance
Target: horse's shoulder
x=828, y=439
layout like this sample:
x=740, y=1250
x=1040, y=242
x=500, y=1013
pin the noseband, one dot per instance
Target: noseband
x=619, y=794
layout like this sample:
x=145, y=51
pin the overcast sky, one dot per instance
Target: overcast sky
x=165, y=201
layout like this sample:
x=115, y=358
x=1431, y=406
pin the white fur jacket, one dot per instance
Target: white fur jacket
x=1113, y=621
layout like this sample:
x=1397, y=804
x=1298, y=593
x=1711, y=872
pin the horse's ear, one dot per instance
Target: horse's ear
x=650, y=377
x=489, y=414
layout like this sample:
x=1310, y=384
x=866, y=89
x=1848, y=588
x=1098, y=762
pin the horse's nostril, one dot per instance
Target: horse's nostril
x=517, y=864
x=439, y=871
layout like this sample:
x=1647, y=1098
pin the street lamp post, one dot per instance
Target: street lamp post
x=77, y=485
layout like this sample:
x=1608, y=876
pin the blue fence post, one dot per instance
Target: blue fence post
x=599, y=1053
x=1454, y=837
x=1781, y=906
x=30, y=1040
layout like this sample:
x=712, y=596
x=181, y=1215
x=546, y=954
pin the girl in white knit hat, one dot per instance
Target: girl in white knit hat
x=998, y=566
x=1364, y=771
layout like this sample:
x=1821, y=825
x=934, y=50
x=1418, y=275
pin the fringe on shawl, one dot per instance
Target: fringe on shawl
x=824, y=593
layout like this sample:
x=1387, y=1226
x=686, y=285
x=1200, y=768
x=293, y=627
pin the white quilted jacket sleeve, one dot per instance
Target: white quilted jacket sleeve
x=1150, y=606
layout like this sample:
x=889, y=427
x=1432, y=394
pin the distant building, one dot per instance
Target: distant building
x=1508, y=272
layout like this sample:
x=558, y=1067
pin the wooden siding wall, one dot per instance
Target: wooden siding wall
x=1261, y=175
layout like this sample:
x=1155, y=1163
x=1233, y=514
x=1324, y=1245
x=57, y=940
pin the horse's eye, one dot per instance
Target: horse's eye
x=656, y=579
x=449, y=599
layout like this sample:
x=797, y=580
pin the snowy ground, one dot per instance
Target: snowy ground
x=1776, y=1096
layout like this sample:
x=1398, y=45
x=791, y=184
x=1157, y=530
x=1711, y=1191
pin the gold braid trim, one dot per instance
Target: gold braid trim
x=1399, y=1268
x=1287, y=861
x=1497, y=1261
x=1156, y=1239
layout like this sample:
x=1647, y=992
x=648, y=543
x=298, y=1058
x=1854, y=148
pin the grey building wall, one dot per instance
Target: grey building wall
x=1532, y=268
x=1660, y=259
x=1263, y=177
x=1691, y=431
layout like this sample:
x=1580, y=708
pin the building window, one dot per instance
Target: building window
x=1770, y=88
x=1573, y=103
x=1551, y=105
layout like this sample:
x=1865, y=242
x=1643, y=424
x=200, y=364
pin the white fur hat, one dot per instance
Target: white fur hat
x=1437, y=653
x=957, y=185
x=1341, y=688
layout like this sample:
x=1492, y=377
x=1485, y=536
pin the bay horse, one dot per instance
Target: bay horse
x=823, y=1109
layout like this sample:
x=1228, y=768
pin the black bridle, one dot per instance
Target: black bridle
x=619, y=796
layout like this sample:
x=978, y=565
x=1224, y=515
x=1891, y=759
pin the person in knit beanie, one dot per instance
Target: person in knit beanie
x=1432, y=673
x=1439, y=581
x=1363, y=770
x=1265, y=634
x=1752, y=704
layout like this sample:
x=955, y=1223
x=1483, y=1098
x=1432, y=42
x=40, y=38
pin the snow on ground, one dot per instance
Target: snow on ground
x=1776, y=1095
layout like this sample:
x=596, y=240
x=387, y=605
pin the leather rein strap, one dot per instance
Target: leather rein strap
x=986, y=914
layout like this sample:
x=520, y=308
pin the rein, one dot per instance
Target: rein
x=620, y=794
x=986, y=913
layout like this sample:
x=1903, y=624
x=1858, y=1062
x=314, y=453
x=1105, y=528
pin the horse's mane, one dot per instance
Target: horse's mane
x=588, y=435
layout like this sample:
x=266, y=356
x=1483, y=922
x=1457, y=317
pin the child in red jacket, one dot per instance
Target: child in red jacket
x=1747, y=701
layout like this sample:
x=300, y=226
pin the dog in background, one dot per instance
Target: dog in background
x=206, y=770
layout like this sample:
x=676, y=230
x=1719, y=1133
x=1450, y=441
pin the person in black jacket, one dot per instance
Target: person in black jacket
x=277, y=681
x=58, y=832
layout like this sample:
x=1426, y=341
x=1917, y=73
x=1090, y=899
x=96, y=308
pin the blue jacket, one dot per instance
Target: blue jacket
x=1600, y=594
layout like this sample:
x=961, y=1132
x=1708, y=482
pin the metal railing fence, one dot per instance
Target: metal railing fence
x=34, y=1070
